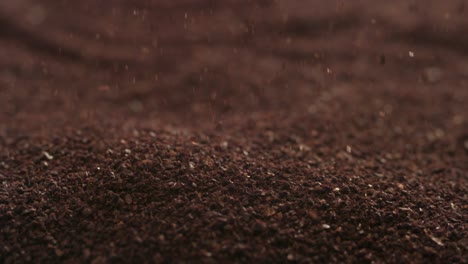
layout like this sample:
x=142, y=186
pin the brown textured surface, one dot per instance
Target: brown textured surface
x=238, y=131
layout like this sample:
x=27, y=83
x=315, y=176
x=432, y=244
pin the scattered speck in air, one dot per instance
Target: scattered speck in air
x=411, y=53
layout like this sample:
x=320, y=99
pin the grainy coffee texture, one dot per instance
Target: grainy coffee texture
x=233, y=131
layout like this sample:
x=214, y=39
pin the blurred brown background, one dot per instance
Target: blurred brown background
x=202, y=61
